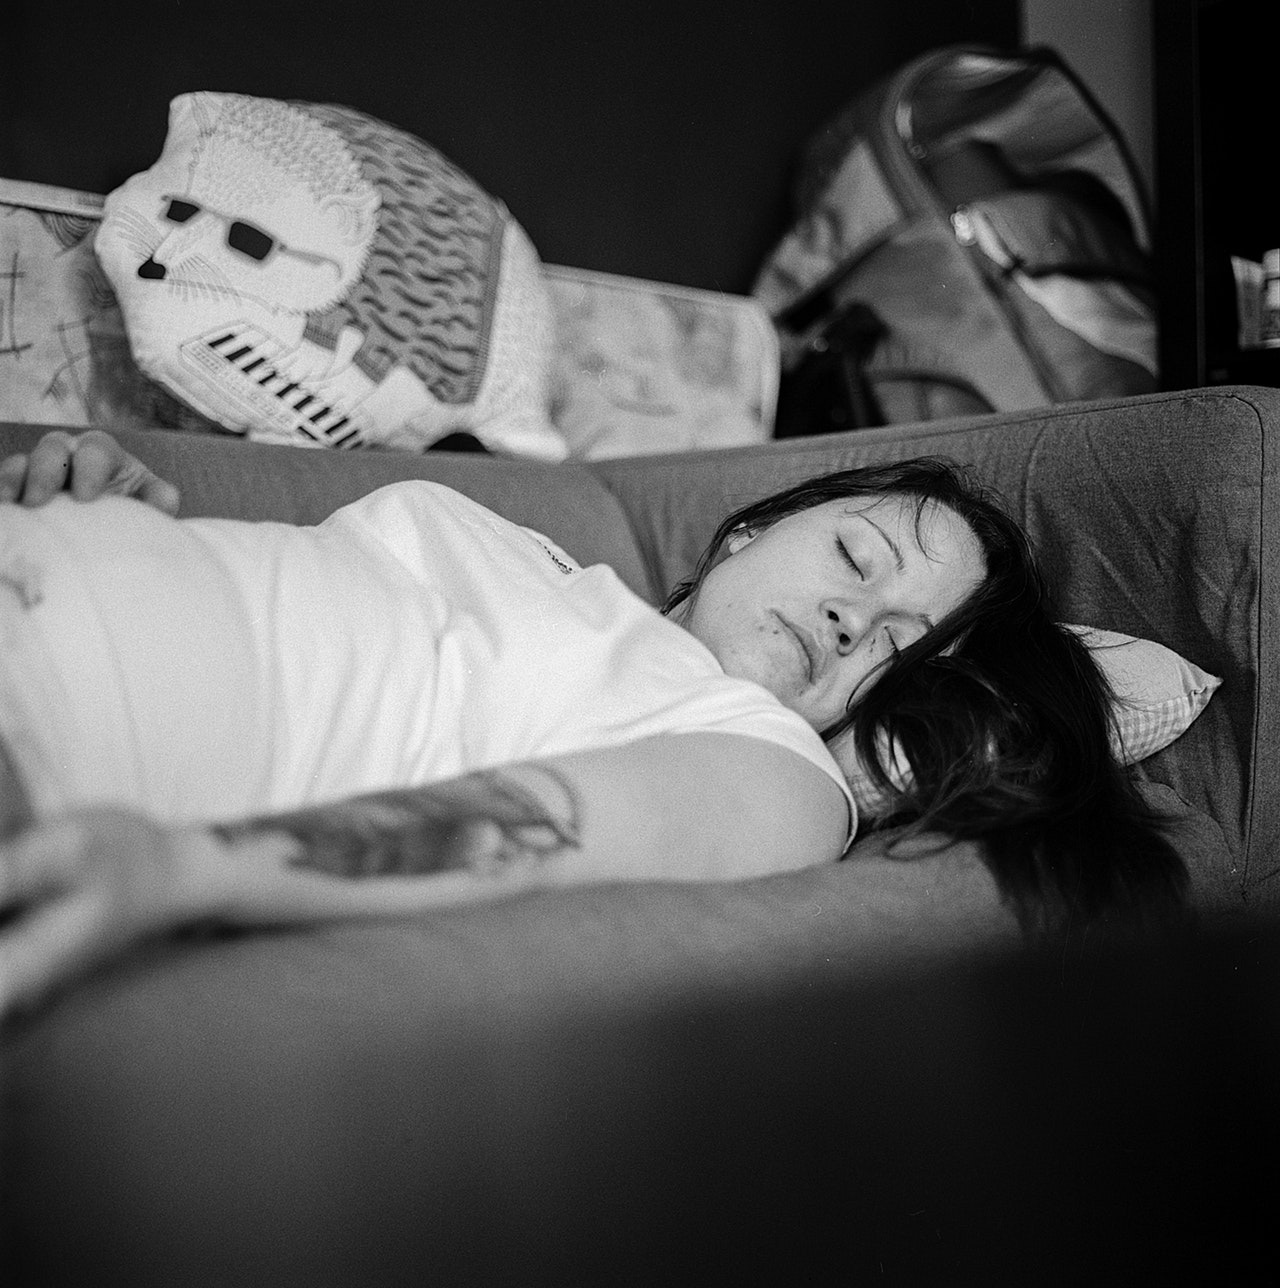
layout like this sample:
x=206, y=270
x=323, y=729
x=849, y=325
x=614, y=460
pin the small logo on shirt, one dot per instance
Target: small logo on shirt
x=555, y=558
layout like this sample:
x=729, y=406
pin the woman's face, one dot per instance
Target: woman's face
x=810, y=606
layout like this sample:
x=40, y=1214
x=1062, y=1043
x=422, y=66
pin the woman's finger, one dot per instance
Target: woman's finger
x=13, y=474
x=52, y=934
x=40, y=861
x=158, y=492
x=48, y=947
x=102, y=465
x=48, y=468
x=94, y=465
x=78, y=891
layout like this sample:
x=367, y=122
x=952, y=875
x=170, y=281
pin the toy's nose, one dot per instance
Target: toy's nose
x=151, y=269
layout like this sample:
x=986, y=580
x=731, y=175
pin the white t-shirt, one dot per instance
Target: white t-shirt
x=209, y=669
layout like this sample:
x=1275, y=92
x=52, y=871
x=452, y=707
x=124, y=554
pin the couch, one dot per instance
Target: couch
x=854, y=1071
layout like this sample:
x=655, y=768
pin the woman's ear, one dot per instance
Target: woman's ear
x=738, y=538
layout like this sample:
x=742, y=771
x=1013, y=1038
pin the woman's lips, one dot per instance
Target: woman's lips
x=808, y=645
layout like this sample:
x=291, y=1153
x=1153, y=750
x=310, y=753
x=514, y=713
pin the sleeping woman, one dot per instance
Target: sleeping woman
x=418, y=703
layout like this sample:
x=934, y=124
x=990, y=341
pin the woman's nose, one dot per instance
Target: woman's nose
x=844, y=624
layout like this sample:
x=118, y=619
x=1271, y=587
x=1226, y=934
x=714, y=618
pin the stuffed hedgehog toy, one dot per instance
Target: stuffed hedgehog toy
x=306, y=274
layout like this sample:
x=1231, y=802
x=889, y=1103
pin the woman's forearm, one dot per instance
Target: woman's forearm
x=480, y=836
x=485, y=822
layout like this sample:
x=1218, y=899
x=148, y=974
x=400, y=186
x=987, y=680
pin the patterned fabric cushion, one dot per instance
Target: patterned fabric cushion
x=646, y=367
x=307, y=274
x=67, y=359
x=1158, y=692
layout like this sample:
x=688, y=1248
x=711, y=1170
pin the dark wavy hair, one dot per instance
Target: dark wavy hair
x=1005, y=719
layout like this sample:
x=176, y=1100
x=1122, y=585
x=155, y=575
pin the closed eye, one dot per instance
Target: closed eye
x=849, y=559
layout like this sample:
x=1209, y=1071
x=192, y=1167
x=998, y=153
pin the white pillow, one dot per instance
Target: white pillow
x=1157, y=692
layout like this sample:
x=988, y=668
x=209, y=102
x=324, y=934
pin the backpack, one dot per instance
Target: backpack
x=972, y=236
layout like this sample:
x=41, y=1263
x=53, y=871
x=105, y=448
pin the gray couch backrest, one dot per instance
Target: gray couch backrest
x=1157, y=516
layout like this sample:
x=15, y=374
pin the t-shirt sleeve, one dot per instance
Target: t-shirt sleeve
x=740, y=707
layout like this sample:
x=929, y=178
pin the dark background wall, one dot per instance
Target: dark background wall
x=648, y=137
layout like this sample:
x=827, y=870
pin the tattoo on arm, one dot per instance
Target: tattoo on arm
x=494, y=822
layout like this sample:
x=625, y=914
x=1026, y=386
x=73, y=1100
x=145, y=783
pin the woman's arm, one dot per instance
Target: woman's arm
x=80, y=891
x=87, y=465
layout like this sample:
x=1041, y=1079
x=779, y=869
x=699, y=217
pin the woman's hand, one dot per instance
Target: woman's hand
x=81, y=890
x=86, y=465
